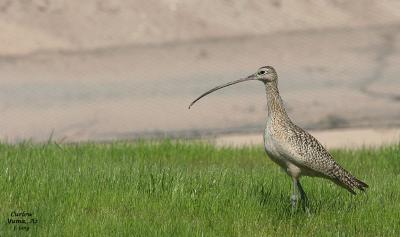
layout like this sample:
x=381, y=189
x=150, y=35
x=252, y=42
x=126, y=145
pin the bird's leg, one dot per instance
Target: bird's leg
x=304, y=199
x=294, y=198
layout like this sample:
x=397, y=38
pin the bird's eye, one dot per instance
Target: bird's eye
x=261, y=72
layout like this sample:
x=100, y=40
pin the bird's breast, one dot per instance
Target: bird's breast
x=272, y=148
x=279, y=153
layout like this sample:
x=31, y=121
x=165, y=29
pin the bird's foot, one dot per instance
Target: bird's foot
x=306, y=208
x=294, y=202
x=305, y=205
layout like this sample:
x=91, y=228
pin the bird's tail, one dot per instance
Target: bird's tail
x=346, y=180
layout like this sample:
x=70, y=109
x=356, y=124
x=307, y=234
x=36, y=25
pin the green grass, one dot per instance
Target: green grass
x=189, y=189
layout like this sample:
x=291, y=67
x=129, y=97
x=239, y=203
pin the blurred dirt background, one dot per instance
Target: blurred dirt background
x=117, y=69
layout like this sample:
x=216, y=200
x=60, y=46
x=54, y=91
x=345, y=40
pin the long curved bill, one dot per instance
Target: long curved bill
x=249, y=78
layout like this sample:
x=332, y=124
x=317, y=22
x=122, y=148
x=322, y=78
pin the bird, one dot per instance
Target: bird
x=295, y=150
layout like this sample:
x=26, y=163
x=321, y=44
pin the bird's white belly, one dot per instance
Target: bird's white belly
x=274, y=151
x=278, y=154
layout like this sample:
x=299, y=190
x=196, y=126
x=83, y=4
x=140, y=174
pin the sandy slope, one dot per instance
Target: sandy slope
x=29, y=26
x=101, y=69
x=328, y=79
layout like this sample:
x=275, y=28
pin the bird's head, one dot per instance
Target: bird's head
x=265, y=74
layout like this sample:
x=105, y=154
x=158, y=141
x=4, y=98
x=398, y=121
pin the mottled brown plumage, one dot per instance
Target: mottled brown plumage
x=292, y=148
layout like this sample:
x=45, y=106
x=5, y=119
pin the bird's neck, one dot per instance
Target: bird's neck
x=275, y=107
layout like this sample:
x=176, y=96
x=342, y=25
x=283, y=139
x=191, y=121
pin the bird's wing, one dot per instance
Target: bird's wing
x=303, y=149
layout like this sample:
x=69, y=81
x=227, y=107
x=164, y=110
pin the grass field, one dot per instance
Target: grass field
x=187, y=189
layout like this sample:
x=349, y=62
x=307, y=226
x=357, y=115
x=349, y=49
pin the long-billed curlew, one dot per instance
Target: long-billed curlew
x=292, y=148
